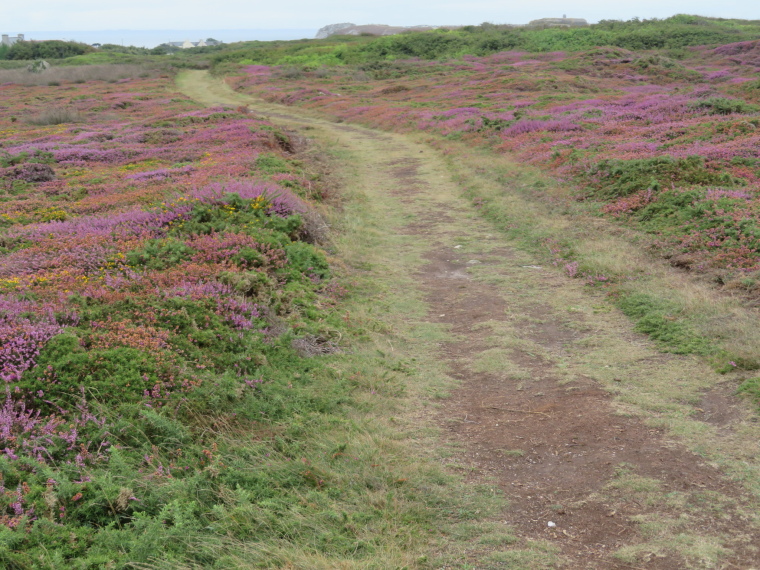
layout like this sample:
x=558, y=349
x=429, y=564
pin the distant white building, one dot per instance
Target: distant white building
x=188, y=44
x=9, y=41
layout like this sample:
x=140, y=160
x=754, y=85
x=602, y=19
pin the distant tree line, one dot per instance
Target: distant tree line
x=59, y=49
x=48, y=49
x=671, y=33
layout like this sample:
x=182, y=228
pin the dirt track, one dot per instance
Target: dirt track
x=552, y=383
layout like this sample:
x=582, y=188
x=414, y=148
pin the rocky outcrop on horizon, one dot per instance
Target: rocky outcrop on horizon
x=333, y=29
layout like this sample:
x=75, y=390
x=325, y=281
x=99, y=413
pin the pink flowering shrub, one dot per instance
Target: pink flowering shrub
x=625, y=128
x=150, y=269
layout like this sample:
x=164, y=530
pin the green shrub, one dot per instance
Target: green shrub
x=49, y=49
x=673, y=206
x=618, y=178
x=272, y=164
x=305, y=259
x=724, y=106
x=160, y=254
x=115, y=375
x=688, y=213
x=7, y=159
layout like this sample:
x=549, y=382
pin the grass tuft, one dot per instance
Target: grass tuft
x=57, y=116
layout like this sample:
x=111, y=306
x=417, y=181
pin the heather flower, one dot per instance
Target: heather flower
x=20, y=343
x=530, y=126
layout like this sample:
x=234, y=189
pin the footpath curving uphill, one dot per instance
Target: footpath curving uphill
x=610, y=453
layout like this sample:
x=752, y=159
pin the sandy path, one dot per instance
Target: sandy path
x=552, y=385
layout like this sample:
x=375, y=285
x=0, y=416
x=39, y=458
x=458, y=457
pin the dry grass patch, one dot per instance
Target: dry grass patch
x=537, y=555
x=76, y=74
x=57, y=116
x=500, y=362
x=665, y=538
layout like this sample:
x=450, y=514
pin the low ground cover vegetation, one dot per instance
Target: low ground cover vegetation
x=163, y=298
x=170, y=319
x=669, y=144
x=661, y=140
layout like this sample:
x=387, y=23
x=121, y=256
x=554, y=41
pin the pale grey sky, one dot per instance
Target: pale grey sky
x=18, y=15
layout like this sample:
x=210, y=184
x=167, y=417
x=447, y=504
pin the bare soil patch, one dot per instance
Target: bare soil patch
x=555, y=447
x=720, y=406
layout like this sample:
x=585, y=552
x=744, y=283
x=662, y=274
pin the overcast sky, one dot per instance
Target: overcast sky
x=19, y=15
